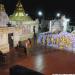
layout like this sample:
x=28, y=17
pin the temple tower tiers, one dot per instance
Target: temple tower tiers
x=20, y=19
x=3, y=16
x=19, y=16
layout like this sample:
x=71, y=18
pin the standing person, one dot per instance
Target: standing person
x=28, y=45
x=2, y=58
x=34, y=35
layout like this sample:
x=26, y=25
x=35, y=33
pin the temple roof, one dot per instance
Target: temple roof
x=2, y=7
x=19, y=14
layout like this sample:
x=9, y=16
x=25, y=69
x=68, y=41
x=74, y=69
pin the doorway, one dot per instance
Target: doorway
x=10, y=40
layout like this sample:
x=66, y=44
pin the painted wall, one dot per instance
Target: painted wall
x=4, y=46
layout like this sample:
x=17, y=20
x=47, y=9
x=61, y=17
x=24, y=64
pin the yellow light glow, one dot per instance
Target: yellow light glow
x=21, y=14
x=16, y=14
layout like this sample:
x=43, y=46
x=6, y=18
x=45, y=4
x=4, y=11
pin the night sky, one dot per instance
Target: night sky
x=48, y=7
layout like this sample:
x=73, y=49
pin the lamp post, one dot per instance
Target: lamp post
x=40, y=15
x=68, y=24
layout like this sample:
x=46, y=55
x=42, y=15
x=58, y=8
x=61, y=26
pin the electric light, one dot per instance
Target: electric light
x=40, y=13
x=68, y=20
x=26, y=14
x=58, y=14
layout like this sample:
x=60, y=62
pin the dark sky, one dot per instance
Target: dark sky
x=48, y=7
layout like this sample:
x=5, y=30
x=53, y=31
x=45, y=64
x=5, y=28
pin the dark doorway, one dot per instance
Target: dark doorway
x=10, y=40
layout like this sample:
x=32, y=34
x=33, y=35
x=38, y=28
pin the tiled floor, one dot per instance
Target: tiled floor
x=47, y=61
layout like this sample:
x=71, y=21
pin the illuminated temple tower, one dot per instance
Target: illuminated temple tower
x=3, y=16
x=4, y=46
x=7, y=33
x=21, y=27
x=22, y=20
x=19, y=16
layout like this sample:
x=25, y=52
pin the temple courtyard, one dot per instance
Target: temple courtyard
x=45, y=60
x=39, y=45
